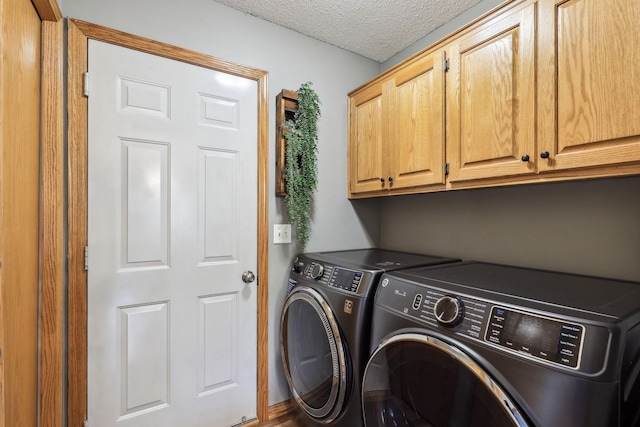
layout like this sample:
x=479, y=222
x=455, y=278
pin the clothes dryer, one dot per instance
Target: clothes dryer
x=484, y=345
x=325, y=329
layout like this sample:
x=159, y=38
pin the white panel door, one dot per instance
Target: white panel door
x=172, y=227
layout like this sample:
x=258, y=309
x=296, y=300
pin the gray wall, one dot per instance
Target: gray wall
x=291, y=59
x=585, y=227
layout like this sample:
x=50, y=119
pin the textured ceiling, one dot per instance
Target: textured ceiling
x=375, y=29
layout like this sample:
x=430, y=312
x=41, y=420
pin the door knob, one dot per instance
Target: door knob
x=248, y=277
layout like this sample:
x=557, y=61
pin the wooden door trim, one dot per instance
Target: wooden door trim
x=52, y=219
x=79, y=32
x=48, y=10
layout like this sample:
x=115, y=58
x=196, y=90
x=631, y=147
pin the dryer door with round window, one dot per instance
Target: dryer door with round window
x=315, y=357
x=419, y=380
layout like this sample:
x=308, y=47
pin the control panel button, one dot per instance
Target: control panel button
x=357, y=278
x=417, y=301
x=569, y=344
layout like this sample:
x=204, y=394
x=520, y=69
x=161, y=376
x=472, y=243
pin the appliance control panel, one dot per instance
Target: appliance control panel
x=514, y=330
x=542, y=337
x=329, y=275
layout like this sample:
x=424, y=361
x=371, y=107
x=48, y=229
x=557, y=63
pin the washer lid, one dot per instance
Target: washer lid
x=598, y=295
x=379, y=259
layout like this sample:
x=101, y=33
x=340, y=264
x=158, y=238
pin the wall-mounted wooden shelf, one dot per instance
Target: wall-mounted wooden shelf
x=286, y=107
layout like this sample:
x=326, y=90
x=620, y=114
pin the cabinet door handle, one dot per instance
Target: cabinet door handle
x=544, y=155
x=382, y=180
x=525, y=158
x=390, y=179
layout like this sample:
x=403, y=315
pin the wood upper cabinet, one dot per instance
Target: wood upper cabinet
x=491, y=99
x=367, y=139
x=416, y=124
x=536, y=91
x=396, y=126
x=589, y=76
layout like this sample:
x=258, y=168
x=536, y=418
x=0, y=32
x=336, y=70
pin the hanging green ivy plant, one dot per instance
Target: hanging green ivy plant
x=300, y=161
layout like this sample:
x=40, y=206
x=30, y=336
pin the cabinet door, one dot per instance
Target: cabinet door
x=491, y=99
x=416, y=125
x=367, y=139
x=589, y=82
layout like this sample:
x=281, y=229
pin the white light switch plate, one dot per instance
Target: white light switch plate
x=281, y=234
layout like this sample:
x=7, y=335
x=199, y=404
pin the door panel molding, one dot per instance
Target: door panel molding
x=79, y=32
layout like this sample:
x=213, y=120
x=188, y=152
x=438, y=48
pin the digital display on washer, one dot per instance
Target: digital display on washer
x=548, y=339
x=345, y=279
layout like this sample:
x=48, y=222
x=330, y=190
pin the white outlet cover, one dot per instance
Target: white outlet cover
x=281, y=234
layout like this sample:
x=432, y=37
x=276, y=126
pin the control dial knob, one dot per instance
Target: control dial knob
x=448, y=311
x=317, y=270
x=298, y=266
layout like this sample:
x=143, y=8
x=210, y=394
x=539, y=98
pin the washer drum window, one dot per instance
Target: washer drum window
x=419, y=380
x=314, y=355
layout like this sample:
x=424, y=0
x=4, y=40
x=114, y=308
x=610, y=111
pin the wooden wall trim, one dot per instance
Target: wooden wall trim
x=52, y=226
x=48, y=10
x=281, y=410
x=279, y=414
x=79, y=34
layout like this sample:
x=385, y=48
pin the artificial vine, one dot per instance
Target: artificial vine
x=300, y=161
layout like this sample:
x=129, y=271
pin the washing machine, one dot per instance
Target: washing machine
x=485, y=345
x=325, y=329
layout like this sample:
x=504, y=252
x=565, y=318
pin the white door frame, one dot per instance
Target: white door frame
x=79, y=33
